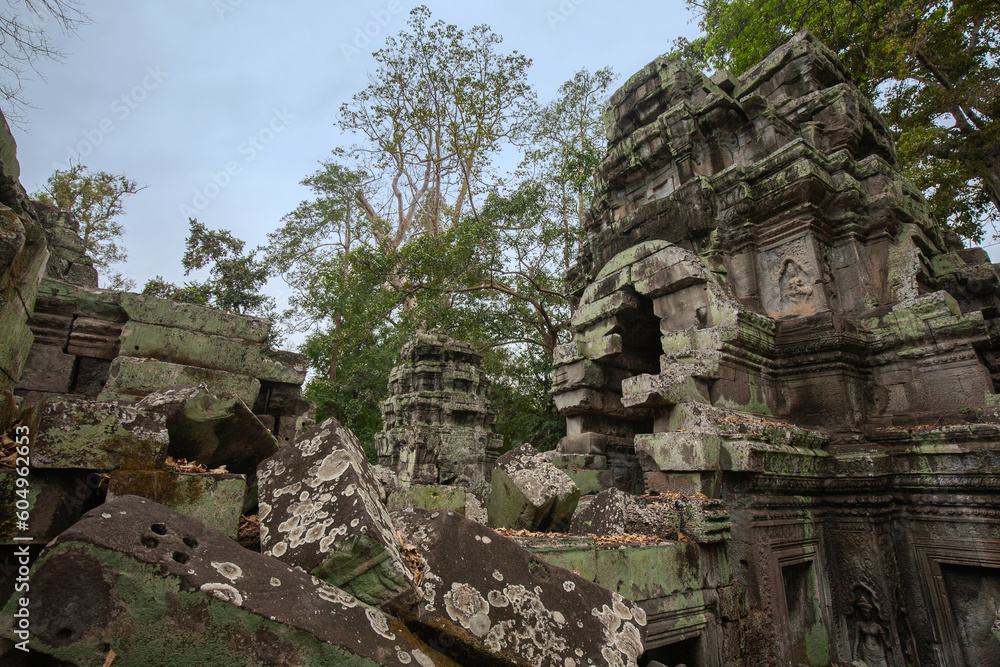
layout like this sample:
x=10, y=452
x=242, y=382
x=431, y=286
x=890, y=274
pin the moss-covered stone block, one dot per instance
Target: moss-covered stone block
x=133, y=378
x=92, y=435
x=644, y=571
x=159, y=588
x=530, y=493
x=17, y=339
x=214, y=499
x=678, y=451
x=56, y=499
x=194, y=348
x=212, y=431
x=428, y=498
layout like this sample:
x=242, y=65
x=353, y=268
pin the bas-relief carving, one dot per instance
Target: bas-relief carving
x=871, y=637
x=795, y=283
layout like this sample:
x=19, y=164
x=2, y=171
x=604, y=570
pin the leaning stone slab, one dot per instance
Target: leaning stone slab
x=495, y=599
x=212, y=431
x=157, y=587
x=94, y=435
x=528, y=492
x=214, y=499
x=194, y=348
x=604, y=515
x=321, y=509
x=134, y=378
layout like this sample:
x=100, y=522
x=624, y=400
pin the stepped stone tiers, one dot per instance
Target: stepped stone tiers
x=766, y=314
x=437, y=420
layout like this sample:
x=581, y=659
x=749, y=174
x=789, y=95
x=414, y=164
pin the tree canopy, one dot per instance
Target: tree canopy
x=931, y=66
x=235, y=277
x=412, y=228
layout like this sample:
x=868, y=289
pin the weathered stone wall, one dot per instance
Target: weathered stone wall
x=766, y=314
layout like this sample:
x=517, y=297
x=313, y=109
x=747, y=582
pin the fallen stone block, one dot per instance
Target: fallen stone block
x=195, y=348
x=133, y=378
x=649, y=516
x=705, y=521
x=214, y=499
x=212, y=431
x=56, y=500
x=495, y=599
x=605, y=514
x=157, y=587
x=321, y=509
x=93, y=435
x=530, y=493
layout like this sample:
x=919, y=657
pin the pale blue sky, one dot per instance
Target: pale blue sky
x=171, y=93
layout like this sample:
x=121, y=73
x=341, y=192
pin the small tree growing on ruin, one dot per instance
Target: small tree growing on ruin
x=97, y=201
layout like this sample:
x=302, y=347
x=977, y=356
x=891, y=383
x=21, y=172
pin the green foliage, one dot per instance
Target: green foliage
x=96, y=200
x=235, y=278
x=409, y=230
x=932, y=66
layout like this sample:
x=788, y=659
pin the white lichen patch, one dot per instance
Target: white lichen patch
x=334, y=594
x=379, y=623
x=530, y=629
x=275, y=581
x=230, y=571
x=422, y=658
x=404, y=657
x=224, y=592
x=289, y=490
x=462, y=602
x=569, y=586
x=498, y=575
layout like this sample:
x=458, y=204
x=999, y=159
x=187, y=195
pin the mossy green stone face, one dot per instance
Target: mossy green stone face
x=133, y=378
x=215, y=500
x=428, y=498
x=94, y=436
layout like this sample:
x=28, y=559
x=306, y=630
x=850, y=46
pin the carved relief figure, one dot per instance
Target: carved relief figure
x=794, y=283
x=871, y=643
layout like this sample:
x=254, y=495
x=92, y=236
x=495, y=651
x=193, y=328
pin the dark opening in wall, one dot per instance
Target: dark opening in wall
x=804, y=622
x=687, y=653
x=974, y=597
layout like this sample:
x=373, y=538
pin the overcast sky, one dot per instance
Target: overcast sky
x=171, y=93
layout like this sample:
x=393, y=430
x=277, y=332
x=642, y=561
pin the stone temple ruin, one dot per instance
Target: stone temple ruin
x=438, y=416
x=782, y=444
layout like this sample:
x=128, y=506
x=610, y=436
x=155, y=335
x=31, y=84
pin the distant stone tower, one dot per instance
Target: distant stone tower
x=438, y=418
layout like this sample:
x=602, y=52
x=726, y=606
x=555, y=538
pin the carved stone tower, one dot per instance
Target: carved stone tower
x=437, y=420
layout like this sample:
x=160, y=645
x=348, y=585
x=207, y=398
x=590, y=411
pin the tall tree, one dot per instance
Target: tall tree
x=932, y=67
x=97, y=201
x=440, y=104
